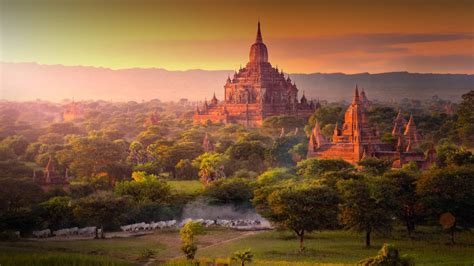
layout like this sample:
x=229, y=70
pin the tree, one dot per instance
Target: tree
x=312, y=168
x=403, y=185
x=152, y=134
x=242, y=150
x=18, y=197
x=365, y=208
x=283, y=121
x=186, y=170
x=375, y=166
x=450, y=189
x=325, y=115
x=444, y=150
x=169, y=156
x=382, y=116
x=302, y=208
x=57, y=212
x=14, y=168
x=6, y=153
x=188, y=233
x=275, y=175
x=92, y=156
x=466, y=118
x=280, y=153
x=102, y=209
x=137, y=154
x=16, y=143
x=211, y=166
x=63, y=129
x=144, y=188
x=13, y=196
x=230, y=190
x=243, y=256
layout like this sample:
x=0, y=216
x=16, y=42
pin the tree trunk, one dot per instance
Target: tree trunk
x=242, y=263
x=410, y=226
x=367, y=238
x=452, y=236
x=302, y=241
x=409, y=219
x=173, y=173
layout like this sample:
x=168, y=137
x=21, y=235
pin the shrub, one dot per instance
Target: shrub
x=147, y=253
x=388, y=255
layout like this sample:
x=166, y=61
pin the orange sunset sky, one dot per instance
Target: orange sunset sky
x=302, y=36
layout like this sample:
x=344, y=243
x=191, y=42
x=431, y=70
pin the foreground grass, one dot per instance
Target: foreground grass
x=57, y=259
x=125, y=249
x=186, y=186
x=429, y=247
x=339, y=247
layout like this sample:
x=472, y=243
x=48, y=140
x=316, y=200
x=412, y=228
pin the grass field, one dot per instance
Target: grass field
x=186, y=186
x=429, y=247
x=57, y=259
x=340, y=247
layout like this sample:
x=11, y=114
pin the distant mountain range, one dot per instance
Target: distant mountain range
x=30, y=81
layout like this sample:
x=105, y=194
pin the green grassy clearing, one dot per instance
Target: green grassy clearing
x=57, y=259
x=340, y=247
x=429, y=247
x=128, y=249
x=186, y=186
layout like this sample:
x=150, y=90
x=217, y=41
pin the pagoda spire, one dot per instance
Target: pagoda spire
x=259, y=34
x=49, y=170
x=411, y=133
x=317, y=139
x=207, y=144
x=355, y=100
x=398, y=124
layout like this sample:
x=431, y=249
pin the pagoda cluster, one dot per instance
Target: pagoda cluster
x=357, y=139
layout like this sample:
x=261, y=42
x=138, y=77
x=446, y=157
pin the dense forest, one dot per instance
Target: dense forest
x=120, y=157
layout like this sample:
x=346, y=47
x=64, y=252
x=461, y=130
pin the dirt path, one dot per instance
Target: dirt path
x=203, y=245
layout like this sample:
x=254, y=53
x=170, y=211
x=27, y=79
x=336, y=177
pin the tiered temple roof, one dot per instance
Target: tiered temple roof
x=255, y=92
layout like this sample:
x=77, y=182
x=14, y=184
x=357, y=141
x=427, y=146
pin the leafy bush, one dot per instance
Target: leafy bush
x=388, y=255
x=147, y=253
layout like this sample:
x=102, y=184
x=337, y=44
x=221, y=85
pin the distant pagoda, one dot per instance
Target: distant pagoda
x=254, y=93
x=51, y=179
x=358, y=140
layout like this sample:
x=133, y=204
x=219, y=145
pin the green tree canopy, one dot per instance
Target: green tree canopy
x=367, y=207
x=375, y=166
x=230, y=190
x=302, y=208
x=312, y=168
x=144, y=188
x=102, y=209
x=450, y=189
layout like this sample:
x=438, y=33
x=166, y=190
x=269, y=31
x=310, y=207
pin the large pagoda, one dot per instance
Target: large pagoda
x=254, y=93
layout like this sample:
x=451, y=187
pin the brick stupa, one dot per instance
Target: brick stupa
x=254, y=93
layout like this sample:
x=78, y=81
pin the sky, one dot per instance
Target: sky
x=432, y=36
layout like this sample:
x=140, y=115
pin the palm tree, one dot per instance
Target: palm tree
x=243, y=256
